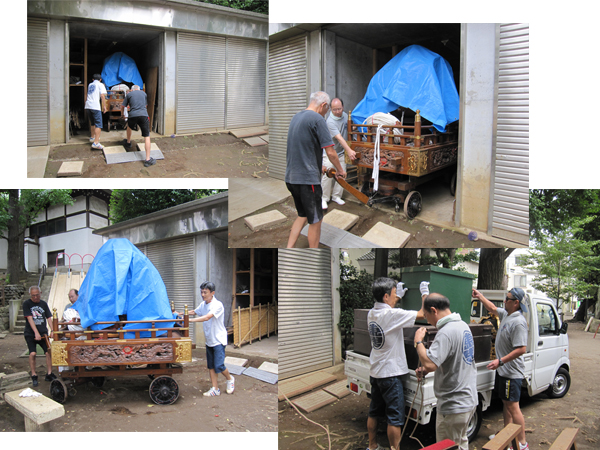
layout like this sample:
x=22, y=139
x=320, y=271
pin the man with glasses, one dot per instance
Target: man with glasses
x=36, y=312
x=337, y=123
x=511, y=344
x=308, y=136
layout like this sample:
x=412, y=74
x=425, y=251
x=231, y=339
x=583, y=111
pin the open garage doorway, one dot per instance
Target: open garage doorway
x=90, y=44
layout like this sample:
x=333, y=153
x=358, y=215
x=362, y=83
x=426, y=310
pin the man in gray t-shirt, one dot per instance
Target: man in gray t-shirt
x=307, y=137
x=138, y=115
x=511, y=345
x=452, y=356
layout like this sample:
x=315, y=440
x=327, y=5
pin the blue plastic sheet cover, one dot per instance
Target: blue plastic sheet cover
x=120, y=68
x=416, y=78
x=122, y=280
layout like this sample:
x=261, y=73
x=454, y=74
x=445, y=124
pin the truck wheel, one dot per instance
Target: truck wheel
x=561, y=384
x=475, y=423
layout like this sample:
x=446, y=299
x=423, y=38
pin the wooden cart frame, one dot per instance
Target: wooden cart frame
x=114, y=102
x=417, y=158
x=106, y=353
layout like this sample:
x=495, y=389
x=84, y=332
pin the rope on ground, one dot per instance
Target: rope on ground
x=311, y=421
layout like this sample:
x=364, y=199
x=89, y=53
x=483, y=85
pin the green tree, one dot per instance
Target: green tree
x=258, y=6
x=19, y=210
x=128, y=204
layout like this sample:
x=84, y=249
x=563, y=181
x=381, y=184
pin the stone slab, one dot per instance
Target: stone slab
x=334, y=237
x=314, y=400
x=291, y=388
x=268, y=367
x=387, y=236
x=248, y=132
x=70, y=169
x=340, y=219
x=265, y=138
x=114, y=150
x=38, y=409
x=118, y=158
x=13, y=378
x=3, y=335
x=254, y=141
x=261, y=375
x=339, y=389
x=236, y=361
x=234, y=369
x=305, y=383
x=142, y=147
x=264, y=220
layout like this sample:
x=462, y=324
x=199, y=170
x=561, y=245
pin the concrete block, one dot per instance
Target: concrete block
x=235, y=361
x=254, y=141
x=14, y=378
x=142, y=147
x=2, y=335
x=123, y=157
x=334, y=237
x=70, y=168
x=387, y=236
x=264, y=220
x=36, y=410
x=340, y=219
x=265, y=137
x=114, y=150
x=268, y=367
x=314, y=401
x=339, y=389
x=247, y=132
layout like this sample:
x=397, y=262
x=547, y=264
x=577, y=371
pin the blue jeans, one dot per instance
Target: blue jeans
x=387, y=399
x=215, y=358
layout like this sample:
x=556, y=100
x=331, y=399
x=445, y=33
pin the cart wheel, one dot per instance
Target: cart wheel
x=453, y=185
x=164, y=390
x=98, y=381
x=58, y=391
x=412, y=205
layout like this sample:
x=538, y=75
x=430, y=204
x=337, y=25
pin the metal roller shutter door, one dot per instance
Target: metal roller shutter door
x=246, y=83
x=510, y=214
x=200, y=83
x=288, y=94
x=174, y=260
x=305, y=311
x=38, y=125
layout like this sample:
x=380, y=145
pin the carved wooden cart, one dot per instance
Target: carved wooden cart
x=106, y=353
x=411, y=156
x=114, y=102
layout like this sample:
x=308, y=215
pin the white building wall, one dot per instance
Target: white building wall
x=99, y=206
x=76, y=222
x=78, y=205
x=56, y=211
x=79, y=241
x=97, y=222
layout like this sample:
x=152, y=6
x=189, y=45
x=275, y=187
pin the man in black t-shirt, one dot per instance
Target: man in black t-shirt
x=36, y=312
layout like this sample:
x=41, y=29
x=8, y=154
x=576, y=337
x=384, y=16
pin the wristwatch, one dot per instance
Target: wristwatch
x=500, y=363
x=417, y=343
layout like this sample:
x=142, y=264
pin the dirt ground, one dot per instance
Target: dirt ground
x=123, y=404
x=545, y=418
x=422, y=234
x=217, y=155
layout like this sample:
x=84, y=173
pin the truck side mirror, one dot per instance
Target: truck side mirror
x=563, y=328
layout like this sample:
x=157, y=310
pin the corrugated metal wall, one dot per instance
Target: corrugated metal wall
x=288, y=94
x=174, y=260
x=246, y=83
x=38, y=124
x=305, y=311
x=510, y=202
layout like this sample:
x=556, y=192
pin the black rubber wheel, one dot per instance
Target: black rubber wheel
x=98, y=381
x=58, y=391
x=475, y=423
x=164, y=390
x=561, y=384
x=412, y=205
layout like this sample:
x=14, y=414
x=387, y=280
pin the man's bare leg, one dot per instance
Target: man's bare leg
x=97, y=135
x=32, y=356
x=394, y=434
x=314, y=234
x=48, y=363
x=128, y=135
x=295, y=232
x=93, y=131
x=147, y=142
x=372, y=429
x=214, y=378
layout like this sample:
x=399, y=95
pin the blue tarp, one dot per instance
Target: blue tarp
x=120, y=68
x=122, y=280
x=416, y=78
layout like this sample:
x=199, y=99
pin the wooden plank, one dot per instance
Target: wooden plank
x=565, y=440
x=314, y=401
x=151, y=91
x=504, y=437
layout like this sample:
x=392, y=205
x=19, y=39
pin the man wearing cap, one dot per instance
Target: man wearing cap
x=511, y=344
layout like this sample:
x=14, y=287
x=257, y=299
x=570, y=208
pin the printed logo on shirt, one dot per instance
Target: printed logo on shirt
x=92, y=88
x=468, y=347
x=377, y=335
x=37, y=312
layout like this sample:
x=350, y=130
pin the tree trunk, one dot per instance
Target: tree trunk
x=408, y=257
x=491, y=267
x=381, y=262
x=14, y=252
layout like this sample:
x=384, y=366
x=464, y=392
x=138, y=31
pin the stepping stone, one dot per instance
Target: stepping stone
x=265, y=138
x=339, y=389
x=248, y=132
x=70, y=168
x=261, y=375
x=334, y=237
x=117, y=158
x=254, y=141
x=113, y=150
x=314, y=401
x=235, y=370
x=387, y=236
x=236, y=361
x=142, y=147
x=268, y=367
x=340, y=219
x=264, y=220
x=291, y=389
x=297, y=386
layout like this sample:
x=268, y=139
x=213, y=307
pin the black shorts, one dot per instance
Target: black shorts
x=508, y=389
x=307, y=198
x=32, y=343
x=142, y=121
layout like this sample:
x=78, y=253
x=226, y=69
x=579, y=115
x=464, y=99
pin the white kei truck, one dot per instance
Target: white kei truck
x=546, y=364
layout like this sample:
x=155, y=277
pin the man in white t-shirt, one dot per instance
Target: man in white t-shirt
x=388, y=358
x=94, y=106
x=212, y=313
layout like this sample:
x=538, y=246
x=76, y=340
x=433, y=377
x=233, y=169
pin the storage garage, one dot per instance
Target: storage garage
x=204, y=65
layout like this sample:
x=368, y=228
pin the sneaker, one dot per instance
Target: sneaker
x=526, y=447
x=50, y=377
x=324, y=204
x=379, y=447
x=212, y=392
x=126, y=144
x=34, y=380
x=150, y=162
x=97, y=146
x=92, y=139
x=231, y=385
x=338, y=200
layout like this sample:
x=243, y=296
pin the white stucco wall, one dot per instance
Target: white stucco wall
x=79, y=241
